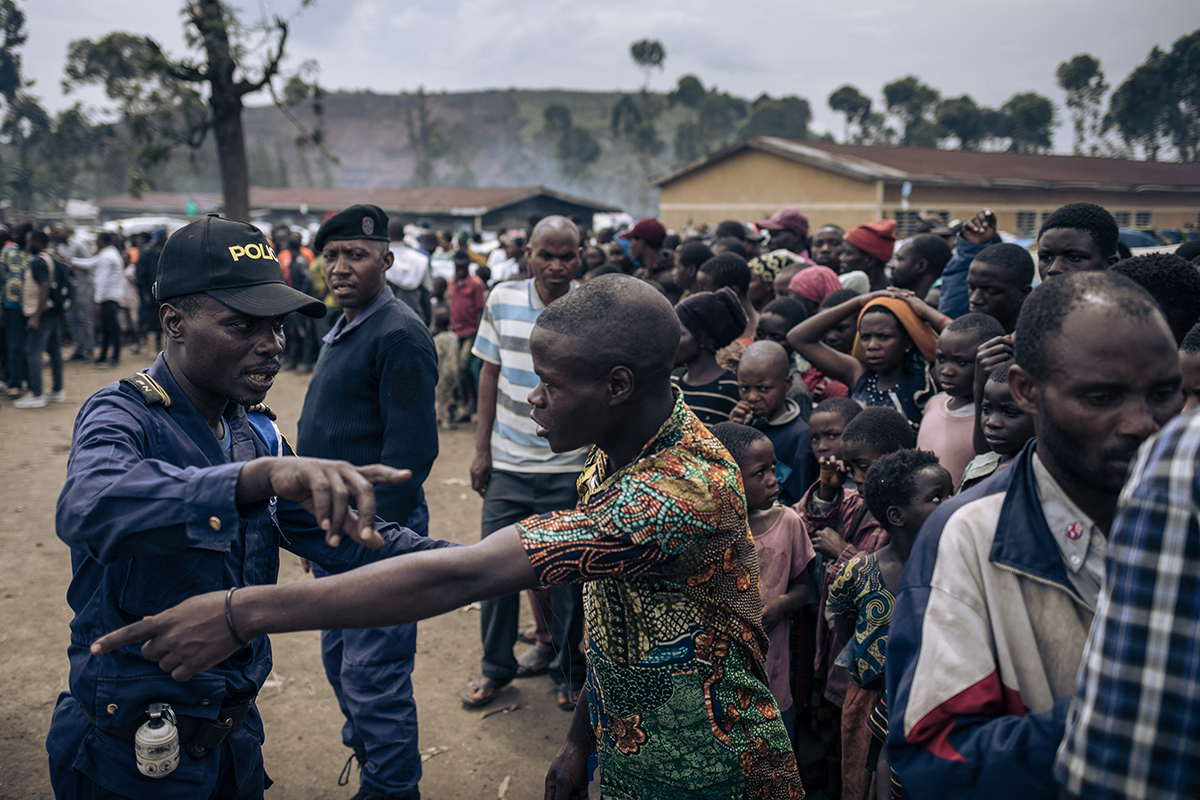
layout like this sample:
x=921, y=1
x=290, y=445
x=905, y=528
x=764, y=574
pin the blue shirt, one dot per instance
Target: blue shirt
x=150, y=514
x=341, y=327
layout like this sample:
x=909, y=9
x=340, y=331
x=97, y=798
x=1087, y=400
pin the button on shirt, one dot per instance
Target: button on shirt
x=1082, y=544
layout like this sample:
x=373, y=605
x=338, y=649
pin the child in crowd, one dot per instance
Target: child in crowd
x=841, y=336
x=901, y=490
x=998, y=281
x=811, y=286
x=446, y=344
x=895, y=344
x=841, y=527
x=1006, y=428
x=784, y=552
x=708, y=322
x=1189, y=361
x=948, y=425
x=779, y=317
x=764, y=377
x=827, y=424
x=1078, y=237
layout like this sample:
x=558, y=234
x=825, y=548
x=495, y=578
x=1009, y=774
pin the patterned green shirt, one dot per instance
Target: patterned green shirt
x=677, y=688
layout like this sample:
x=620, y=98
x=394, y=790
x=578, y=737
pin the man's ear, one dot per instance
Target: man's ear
x=620, y=385
x=1024, y=389
x=895, y=517
x=1113, y=259
x=1025, y=290
x=787, y=382
x=173, y=321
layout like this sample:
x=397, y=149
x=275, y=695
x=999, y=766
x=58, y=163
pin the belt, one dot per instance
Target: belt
x=197, y=734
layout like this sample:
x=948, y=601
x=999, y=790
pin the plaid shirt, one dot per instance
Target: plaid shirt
x=1134, y=726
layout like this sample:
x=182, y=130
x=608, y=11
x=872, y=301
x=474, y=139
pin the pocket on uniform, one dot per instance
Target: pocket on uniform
x=155, y=583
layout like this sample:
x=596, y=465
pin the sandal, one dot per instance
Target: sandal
x=534, y=661
x=527, y=635
x=567, y=696
x=481, y=691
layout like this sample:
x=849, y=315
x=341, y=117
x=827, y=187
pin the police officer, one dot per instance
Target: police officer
x=172, y=491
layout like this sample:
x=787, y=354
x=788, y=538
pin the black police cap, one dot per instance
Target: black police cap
x=232, y=262
x=355, y=222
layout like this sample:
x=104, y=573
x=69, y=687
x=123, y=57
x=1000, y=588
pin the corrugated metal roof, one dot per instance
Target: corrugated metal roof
x=926, y=165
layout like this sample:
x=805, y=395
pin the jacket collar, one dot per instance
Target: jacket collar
x=194, y=426
x=1023, y=540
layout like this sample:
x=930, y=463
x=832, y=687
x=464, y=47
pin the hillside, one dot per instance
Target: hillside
x=488, y=138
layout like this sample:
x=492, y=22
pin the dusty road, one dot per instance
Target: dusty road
x=303, y=750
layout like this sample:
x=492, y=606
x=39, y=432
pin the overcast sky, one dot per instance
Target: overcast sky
x=988, y=50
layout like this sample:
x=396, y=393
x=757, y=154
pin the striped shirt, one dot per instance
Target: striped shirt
x=503, y=339
x=710, y=402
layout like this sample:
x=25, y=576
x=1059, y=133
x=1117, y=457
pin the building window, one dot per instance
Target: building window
x=906, y=223
x=1026, y=223
x=1122, y=218
x=1144, y=219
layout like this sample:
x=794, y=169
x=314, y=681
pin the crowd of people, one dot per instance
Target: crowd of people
x=795, y=510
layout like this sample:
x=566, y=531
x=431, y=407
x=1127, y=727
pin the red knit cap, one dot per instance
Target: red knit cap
x=877, y=238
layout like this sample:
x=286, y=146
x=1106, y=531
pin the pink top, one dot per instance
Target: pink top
x=948, y=434
x=466, y=301
x=783, y=552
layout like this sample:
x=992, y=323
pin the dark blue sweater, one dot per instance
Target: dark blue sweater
x=370, y=401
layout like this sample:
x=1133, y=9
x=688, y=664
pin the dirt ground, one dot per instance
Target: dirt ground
x=470, y=757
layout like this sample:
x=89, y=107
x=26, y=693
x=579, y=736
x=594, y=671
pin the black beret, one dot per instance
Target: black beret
x=356, y=222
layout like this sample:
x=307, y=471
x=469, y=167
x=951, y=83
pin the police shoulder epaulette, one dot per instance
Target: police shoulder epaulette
x=262, y=408
x=152, y=393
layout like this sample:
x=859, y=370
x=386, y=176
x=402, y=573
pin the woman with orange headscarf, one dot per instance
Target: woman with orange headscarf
x=896, y=342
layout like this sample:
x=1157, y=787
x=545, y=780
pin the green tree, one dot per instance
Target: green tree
x=1083, y=81
x=160, y=95
x=557, y=118
x=425, y=139
x=1031, y=121
x=649, y=55
x=854, y=104
x=689, y=91
x=1159, y=103
x=961, y=118
x=787, y=117
x=911, y=101
x=577, y=149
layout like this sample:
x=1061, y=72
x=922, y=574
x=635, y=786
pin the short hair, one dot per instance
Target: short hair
x=844, y=407
x=730, y=228
x=623, y=321
x=882, y=428
x=1191, y=342
x=1000, y=373
x=729, y=244
x=728, y=269
x=933, y=249
x=189, y=304
x=693, y=254
x=396, y=229
x=1189, y=250
x=1049, y=305
x=831, y=225
x=461, y=255
x=737, y=438
x=984, y=326
x=837, y=297
x=483, y=272
x=1012, y=258
x=39, y=236
x=1086, y=217
x=1174, y=284
x=789, y=309
x=891, y=481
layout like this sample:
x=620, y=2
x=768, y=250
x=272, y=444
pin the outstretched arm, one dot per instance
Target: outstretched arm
x=194, y=635
x=806, y=339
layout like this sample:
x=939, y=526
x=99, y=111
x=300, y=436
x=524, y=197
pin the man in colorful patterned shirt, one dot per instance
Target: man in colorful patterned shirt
x=677, y=703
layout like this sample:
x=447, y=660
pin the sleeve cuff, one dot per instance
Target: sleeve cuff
x=213, y=504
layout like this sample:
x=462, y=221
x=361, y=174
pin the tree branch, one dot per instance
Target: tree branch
x=287, y=112
x=180, y=72
x=245, y=87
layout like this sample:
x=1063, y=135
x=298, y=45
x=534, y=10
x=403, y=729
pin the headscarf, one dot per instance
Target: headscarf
x=814, y=283
x=768, y=266
x=921, y=334
x=856, y=280
x=713, y=318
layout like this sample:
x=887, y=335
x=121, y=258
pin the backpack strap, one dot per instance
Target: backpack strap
x=151, y=391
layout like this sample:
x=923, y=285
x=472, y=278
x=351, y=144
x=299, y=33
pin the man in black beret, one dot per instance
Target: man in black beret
x=371, y=400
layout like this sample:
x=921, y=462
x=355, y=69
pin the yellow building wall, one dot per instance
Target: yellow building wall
x=752, y=185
